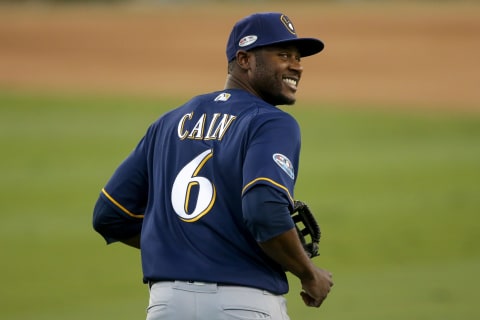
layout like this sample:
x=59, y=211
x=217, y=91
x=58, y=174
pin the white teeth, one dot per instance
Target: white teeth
x=290, y=82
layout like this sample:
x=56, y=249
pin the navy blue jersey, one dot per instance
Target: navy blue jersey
x=186, y=179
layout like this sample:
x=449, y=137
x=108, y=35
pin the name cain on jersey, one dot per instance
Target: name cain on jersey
x=205, y=128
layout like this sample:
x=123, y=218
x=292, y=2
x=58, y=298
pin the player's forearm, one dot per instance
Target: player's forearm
x=287, y=251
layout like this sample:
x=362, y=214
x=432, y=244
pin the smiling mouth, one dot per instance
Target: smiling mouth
x=291, y=82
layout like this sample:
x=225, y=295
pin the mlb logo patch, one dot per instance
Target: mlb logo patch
x=223, y=97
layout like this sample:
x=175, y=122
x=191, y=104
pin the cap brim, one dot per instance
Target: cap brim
x=306, y=46
x=309, y=46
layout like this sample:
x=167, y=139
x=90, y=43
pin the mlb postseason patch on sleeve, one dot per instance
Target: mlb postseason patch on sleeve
x=284, y=163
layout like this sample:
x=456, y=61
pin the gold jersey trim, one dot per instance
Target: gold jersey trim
x=134, y=215
x=270, y=181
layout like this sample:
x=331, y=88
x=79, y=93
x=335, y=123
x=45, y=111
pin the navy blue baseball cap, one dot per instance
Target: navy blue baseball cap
x=265, y=29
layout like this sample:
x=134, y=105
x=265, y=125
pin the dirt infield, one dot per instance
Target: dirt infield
x=405, y=55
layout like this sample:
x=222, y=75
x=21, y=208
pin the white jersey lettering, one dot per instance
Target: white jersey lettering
x=217, y=126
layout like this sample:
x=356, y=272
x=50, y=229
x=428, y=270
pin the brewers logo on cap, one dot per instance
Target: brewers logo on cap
x=264, y=29
x=287, y=23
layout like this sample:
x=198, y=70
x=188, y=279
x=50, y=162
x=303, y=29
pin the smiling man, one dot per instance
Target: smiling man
x=208, y=192
x=276, y=49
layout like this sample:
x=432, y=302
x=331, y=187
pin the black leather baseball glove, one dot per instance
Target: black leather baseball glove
x=307, y=227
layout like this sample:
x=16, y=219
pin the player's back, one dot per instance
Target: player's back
x=193, y=228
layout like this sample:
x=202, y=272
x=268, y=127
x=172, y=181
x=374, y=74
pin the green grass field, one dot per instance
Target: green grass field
x=397, y=194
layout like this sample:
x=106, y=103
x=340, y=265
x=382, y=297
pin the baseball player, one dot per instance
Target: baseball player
x=208, y=191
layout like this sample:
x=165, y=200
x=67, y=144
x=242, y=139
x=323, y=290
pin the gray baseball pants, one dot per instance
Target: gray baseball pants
x=181, y=300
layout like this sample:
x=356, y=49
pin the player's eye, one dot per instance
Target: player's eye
x=287, y=56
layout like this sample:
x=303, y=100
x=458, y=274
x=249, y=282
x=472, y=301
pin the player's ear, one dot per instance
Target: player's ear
x=243, y=59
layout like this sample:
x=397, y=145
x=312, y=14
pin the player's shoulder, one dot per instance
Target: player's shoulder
x=265, y=112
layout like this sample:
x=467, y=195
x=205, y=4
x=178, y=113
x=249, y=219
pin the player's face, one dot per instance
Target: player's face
x=276, y=74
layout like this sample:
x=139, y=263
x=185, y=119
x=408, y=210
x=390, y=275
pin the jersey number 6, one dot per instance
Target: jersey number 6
x=188, y=178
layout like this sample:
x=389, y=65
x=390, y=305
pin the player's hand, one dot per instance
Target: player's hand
x=316, y=290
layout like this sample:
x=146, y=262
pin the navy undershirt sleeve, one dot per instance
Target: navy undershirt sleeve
x=113, y=225
x=266, y=212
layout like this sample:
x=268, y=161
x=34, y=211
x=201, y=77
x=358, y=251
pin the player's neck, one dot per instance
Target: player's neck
x=237, y=83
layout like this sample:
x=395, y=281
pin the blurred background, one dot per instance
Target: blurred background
x=406, y=52
x=390, y=118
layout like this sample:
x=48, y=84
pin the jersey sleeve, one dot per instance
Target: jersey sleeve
x=112, y=223
x=266, y=212
x=273, y=154
x=127, y=189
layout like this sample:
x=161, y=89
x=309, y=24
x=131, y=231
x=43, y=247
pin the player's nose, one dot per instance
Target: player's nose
x=296, y=65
